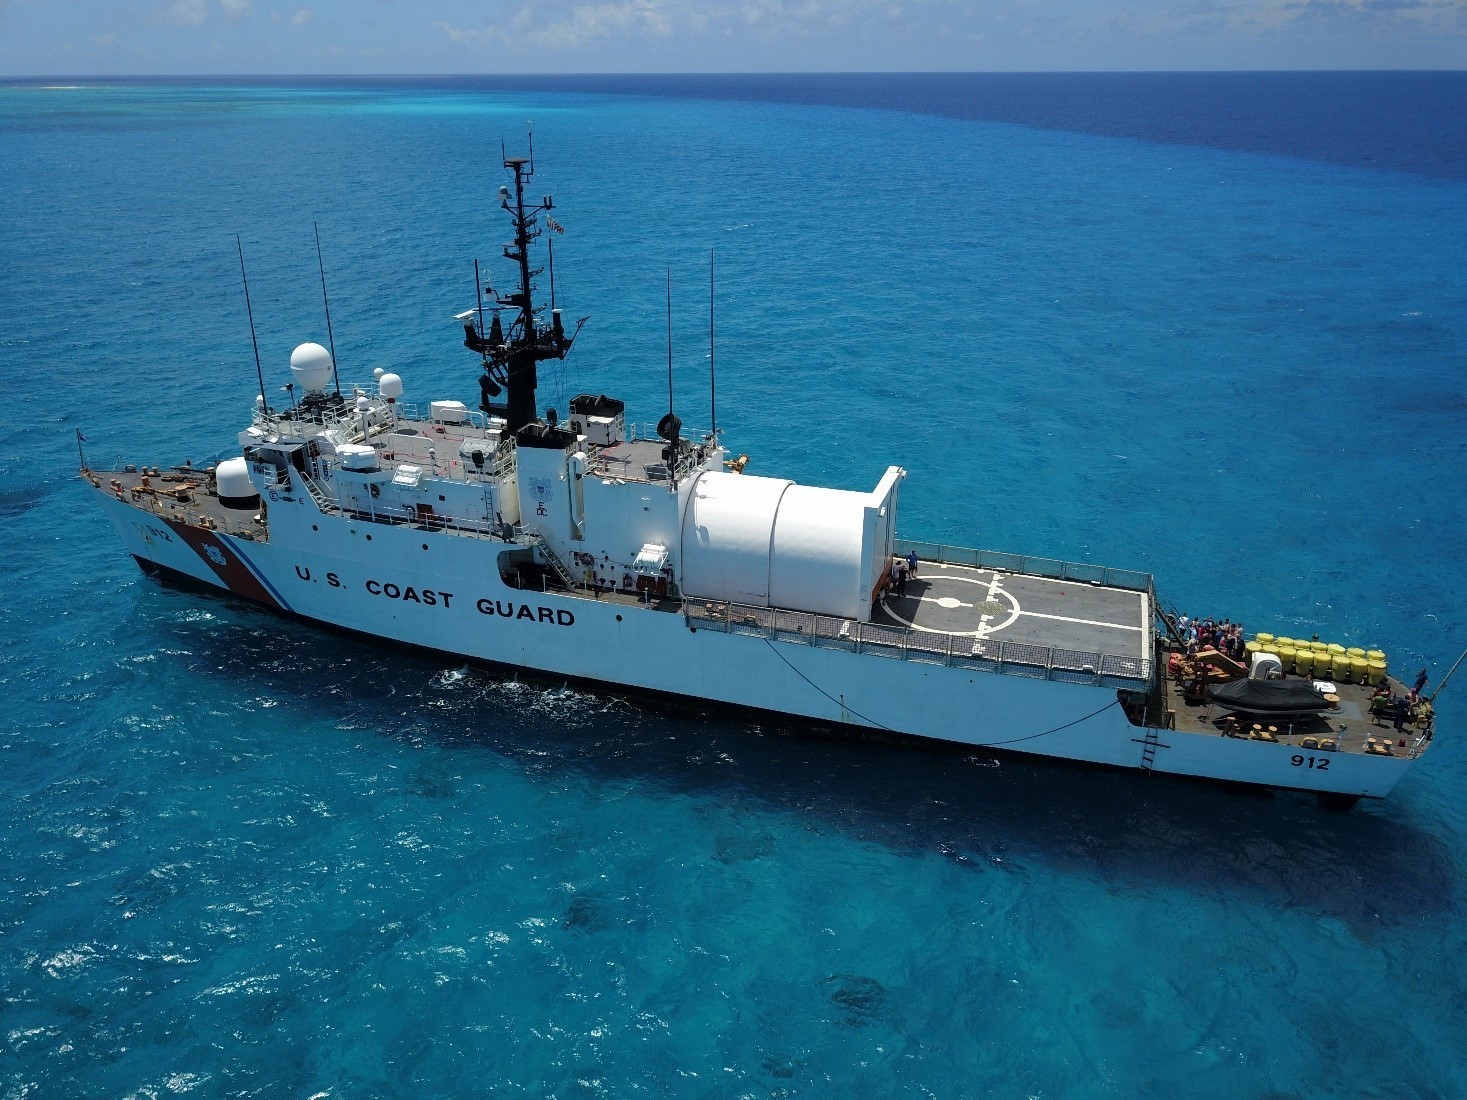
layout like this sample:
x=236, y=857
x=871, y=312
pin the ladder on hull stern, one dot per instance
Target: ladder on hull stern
x=1149, y=744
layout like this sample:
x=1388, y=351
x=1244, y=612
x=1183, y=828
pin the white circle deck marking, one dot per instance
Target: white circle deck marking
x=996, y=595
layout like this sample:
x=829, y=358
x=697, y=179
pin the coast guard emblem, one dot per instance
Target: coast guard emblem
x=215, y=555
x=540, y=490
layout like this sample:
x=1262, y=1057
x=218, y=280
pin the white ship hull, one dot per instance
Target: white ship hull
x=443, y=591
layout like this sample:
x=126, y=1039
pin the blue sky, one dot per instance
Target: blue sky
x=92, y=37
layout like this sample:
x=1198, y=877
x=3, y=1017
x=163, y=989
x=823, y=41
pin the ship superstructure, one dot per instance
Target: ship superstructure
x=580, y=545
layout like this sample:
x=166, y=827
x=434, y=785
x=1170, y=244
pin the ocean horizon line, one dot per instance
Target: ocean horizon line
x=671, y=73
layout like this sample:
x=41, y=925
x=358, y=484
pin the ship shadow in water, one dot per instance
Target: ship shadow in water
x=1370, y=867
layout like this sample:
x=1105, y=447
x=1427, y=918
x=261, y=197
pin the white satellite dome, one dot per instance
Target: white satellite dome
x=390, y=386
x=312, y=367
x=232, y=478
x=379, y=372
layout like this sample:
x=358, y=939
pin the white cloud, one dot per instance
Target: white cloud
x=558, y=25
x=1251, y=18
x=591, y=22
x=235, y=9
x=680, y=35
x=186, y=13
x=301, y=17
x=582, y=24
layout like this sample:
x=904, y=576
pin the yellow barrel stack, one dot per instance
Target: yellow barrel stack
x=1375, y=664
x=1323, y=660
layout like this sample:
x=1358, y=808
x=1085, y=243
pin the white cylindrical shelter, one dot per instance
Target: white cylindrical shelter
x=728, y=526
x=771, y=543
x=818, y=563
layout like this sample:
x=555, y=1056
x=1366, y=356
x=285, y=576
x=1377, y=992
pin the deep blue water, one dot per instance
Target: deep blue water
x=1183, y=331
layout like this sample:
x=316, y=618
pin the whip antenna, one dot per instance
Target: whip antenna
x=712, y=377
x=259, y=371
x=479, y=294
x=330, y=339
x=670, y=427
x=1447, y=677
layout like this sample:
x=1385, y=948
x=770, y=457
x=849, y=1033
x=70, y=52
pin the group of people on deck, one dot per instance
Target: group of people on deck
x=899, y=569
x=1384, y=703
x=1226, y=637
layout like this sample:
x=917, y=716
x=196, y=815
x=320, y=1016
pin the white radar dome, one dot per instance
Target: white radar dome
x=391, y=386
x=379, y=372
x=311, y=365
x=232, y=476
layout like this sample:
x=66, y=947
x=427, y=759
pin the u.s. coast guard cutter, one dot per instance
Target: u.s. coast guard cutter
x=577, y=546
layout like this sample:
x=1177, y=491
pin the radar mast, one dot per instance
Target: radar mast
x=509, y=359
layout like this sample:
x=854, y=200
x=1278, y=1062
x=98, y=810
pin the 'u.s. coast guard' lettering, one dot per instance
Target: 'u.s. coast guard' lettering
x=508, y=609
x=436, y=597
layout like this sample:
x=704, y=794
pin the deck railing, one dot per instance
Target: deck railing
x=166, y=506
x=959, y=650
x=408, y=515
x=1024, y=564
x=602, y=464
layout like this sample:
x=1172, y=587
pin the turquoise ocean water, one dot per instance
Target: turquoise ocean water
x=243, y=857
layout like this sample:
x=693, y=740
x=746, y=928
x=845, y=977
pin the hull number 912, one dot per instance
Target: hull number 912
x=1319, y=763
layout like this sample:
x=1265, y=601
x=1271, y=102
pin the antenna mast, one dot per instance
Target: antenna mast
x=259, y=371
x=330, y=339
x=669, y=342
x=670, y=427
x=509, y=358
x=479, y=298
x=1447, y=677
x=712, y=377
